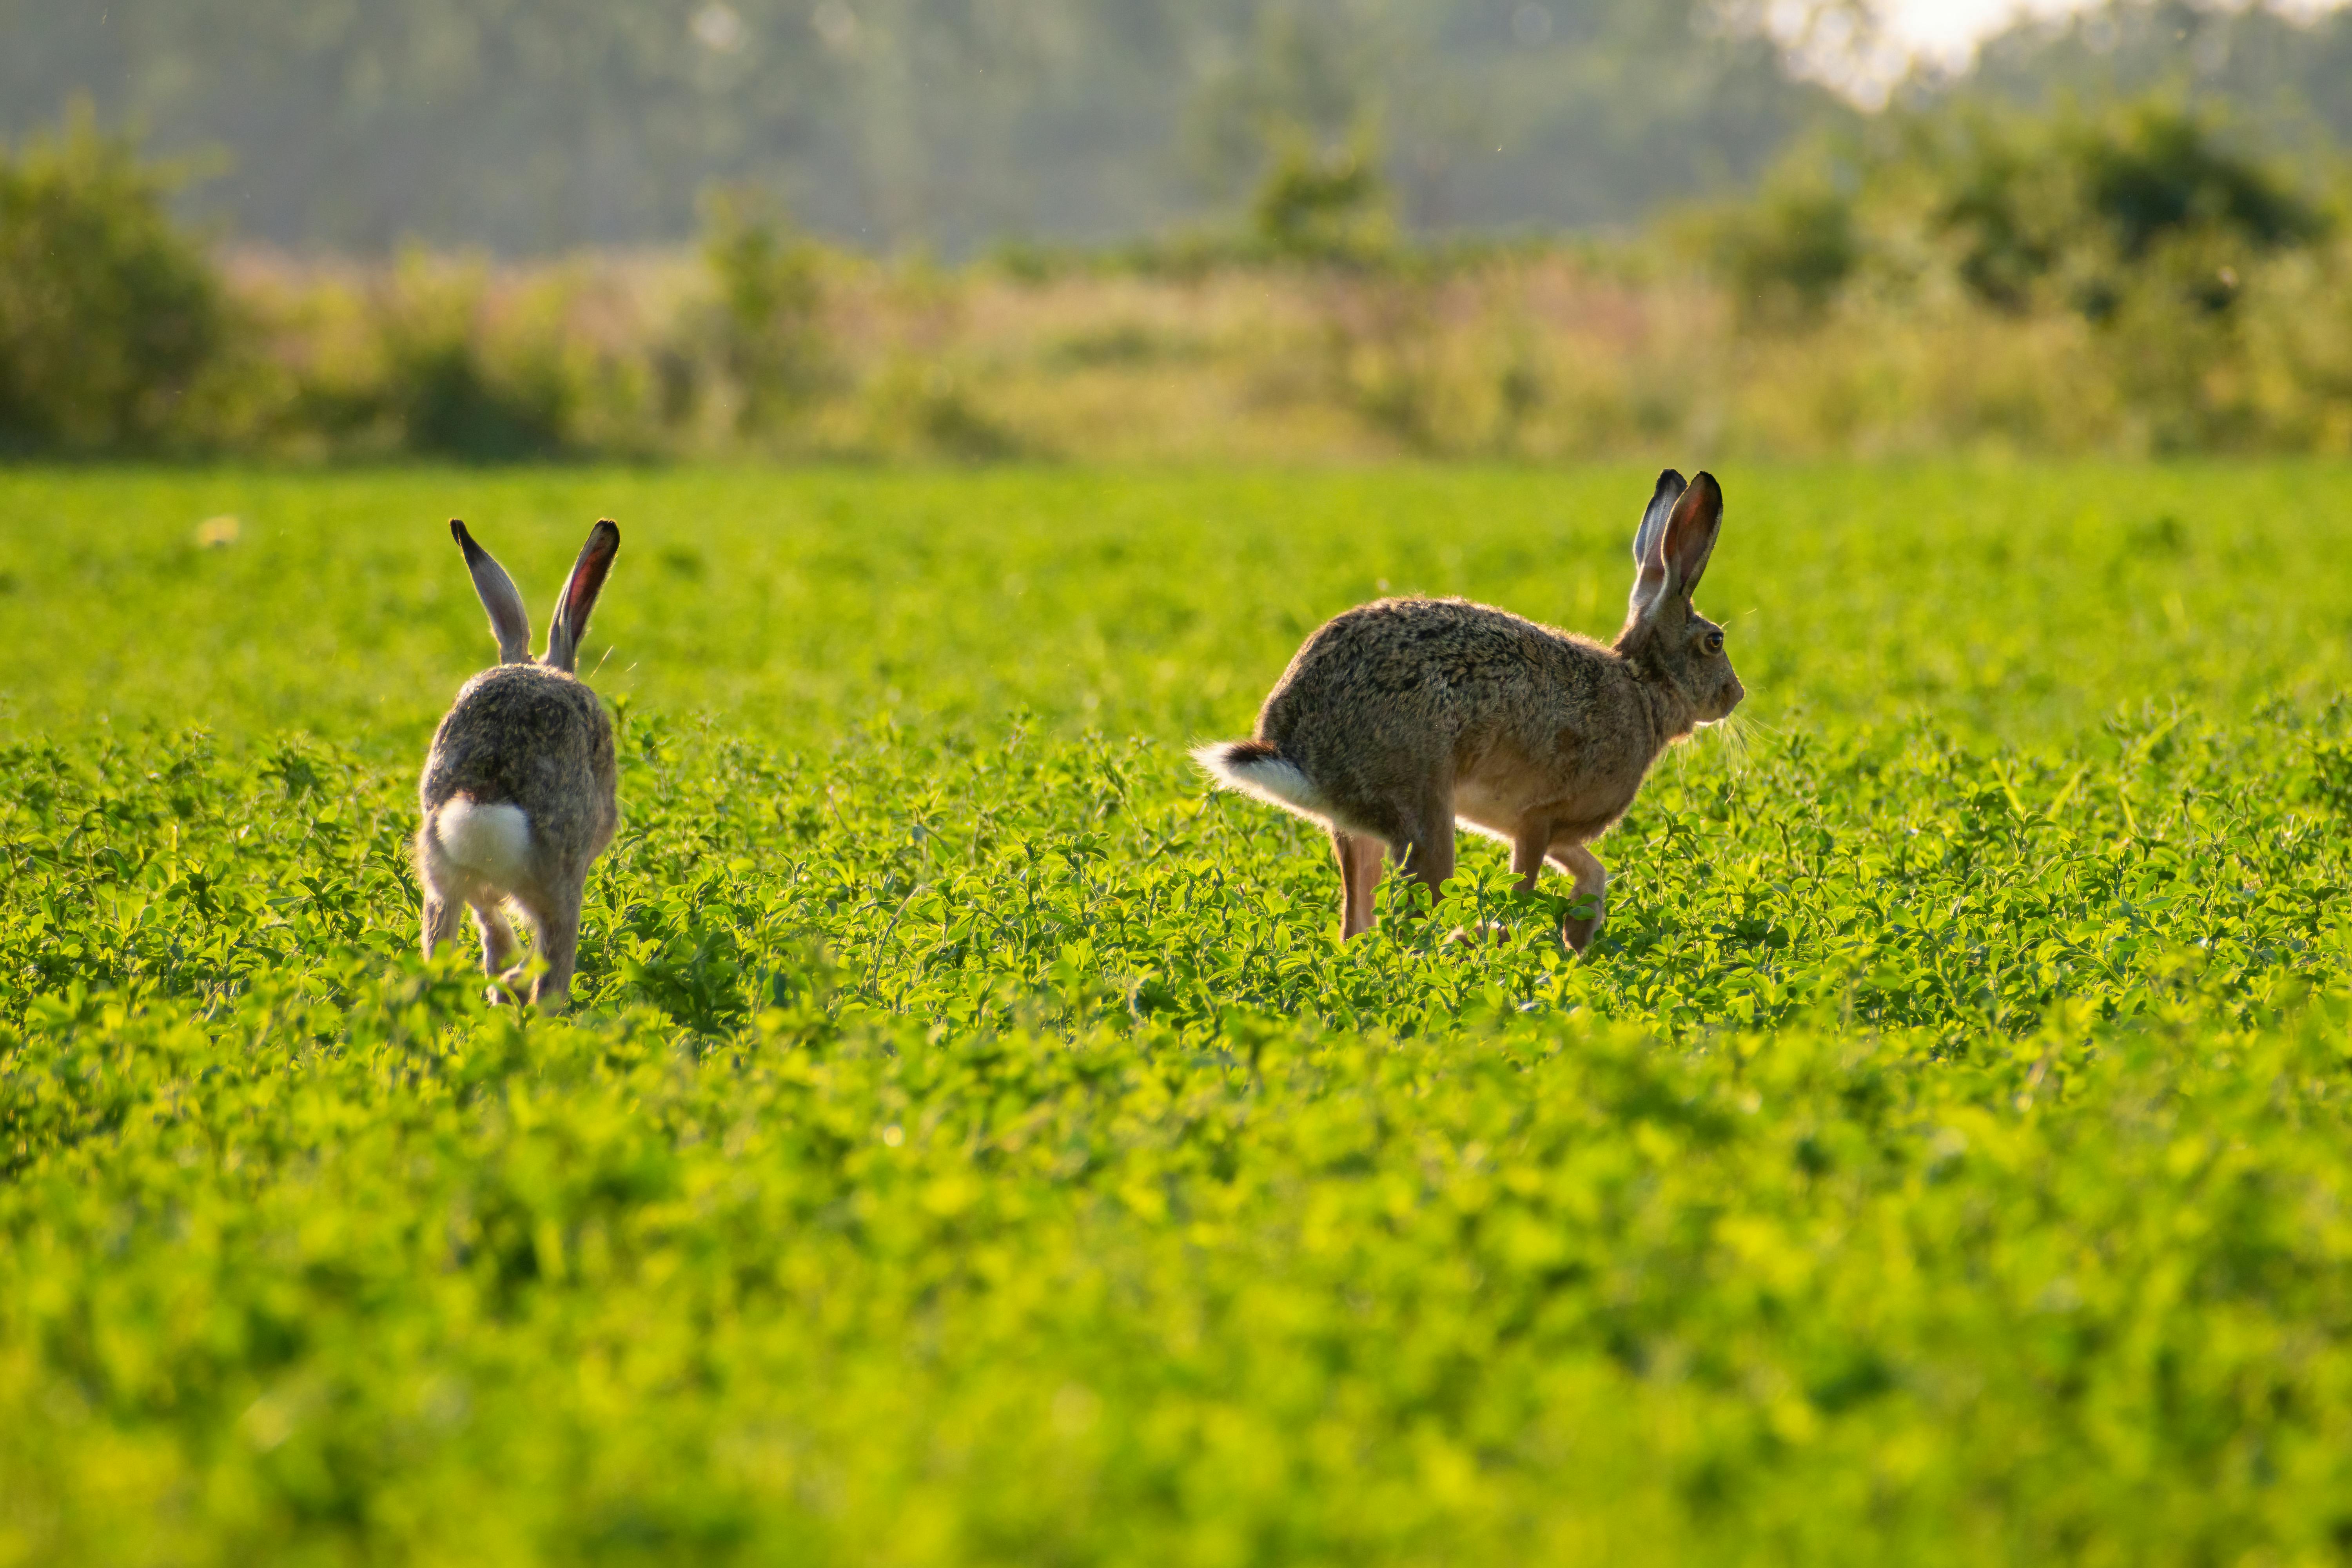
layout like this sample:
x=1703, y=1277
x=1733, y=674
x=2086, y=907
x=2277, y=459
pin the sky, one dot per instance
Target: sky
x=1942, y=32
x=1945, y=30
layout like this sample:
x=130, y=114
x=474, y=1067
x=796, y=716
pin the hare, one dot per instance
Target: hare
x=518, y=789
x=1400, y=718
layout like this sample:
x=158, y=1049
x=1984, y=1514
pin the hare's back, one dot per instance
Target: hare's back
x=525, y=734
x=1418, y=653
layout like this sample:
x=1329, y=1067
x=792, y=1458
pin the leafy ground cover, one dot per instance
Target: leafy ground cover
x=972, y=1144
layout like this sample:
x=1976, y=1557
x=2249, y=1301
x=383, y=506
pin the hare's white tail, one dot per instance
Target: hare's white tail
x=493, y=842
x=1256, y=769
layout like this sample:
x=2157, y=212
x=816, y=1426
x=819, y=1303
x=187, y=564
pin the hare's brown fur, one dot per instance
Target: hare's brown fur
x=527, y=734
x=526, y=749
x=1409, y=697
x=1399, y=719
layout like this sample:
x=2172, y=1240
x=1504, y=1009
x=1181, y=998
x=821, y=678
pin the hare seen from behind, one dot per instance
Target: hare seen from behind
x=1400, y=718
x=519, y=790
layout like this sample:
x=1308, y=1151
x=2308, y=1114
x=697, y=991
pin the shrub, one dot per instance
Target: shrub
x=109, y=315
x=911, y=408
x=2006, y=223
x=2158, y=169
x=449, y=395
x=2104, y=202
x=2073, y=210
x=1787, y=256
x=1323, y=206
x=769, y=339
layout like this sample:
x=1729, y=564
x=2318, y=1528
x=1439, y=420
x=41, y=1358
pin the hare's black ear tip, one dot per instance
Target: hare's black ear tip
x=609, y=532
x=457, y=529
x=1670, y=482
x=1702, y=481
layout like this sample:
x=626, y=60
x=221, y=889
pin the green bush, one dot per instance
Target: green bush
x=2106, y=202
x=2159, y=168
x=2008, y=227
x=2183, y=288
x=111, y=317
x=1324, y=206
x=1787, y=255
x=435, y=359
x=771, y=343
x=2073, y=210
x=442, y=388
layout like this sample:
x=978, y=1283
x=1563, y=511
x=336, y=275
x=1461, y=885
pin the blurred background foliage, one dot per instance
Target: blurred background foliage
x=1237, y=230
x=84, y=242
x=530, y=126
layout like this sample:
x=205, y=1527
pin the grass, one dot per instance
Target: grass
x=972, y=1145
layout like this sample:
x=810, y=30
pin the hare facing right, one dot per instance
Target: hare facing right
x=1400, y=718
x=519, y=789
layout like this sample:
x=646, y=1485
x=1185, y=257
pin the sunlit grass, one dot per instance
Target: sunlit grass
x=973, y=1144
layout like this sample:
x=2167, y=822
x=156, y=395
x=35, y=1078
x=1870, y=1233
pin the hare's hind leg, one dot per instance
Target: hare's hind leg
x=555, y=919
x=440, y=919
x=1591, y=882
x=1359, y=873
x=499, y=943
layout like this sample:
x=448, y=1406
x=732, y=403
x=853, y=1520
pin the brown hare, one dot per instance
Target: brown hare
x=1399, y=719
x=518, y=789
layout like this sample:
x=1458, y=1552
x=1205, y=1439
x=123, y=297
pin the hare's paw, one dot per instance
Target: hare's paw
x=1582, y=924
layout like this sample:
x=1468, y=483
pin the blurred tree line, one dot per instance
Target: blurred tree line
x=535, y=126
x=2285, y=72
x=2125, y=258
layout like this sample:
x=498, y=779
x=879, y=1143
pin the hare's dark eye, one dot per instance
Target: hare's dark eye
x=1713, y=643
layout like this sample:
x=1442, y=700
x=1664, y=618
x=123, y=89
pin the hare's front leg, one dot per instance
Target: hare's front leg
x=1530, y=847
x=1591, y=882
x=1424, y=850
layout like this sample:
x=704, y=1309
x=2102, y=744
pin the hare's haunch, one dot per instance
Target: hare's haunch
x=519, y=790
x=1398, y=720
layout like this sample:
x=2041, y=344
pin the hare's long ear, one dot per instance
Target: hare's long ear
x=1649, y=560
x=1690, y=534
x=508, y=623
x=580, y=591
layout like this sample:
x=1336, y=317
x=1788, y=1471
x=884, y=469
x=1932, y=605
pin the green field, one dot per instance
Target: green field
x=972, y=1145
